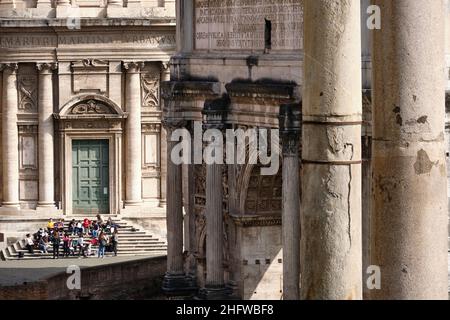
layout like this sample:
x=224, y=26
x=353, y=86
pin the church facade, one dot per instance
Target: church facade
x=81, y=109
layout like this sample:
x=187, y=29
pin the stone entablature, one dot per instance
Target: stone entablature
x=88, y=9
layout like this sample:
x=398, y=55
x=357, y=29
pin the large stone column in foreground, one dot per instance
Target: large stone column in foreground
x=409, y=218
x=46, y=137
x=290, y=127
x=133, y=149
x=10, y=137
x=331, y=181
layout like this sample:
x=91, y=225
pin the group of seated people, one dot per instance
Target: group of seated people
x=103, y=234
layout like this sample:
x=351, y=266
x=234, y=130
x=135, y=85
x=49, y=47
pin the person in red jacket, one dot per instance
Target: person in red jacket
x=86, y=225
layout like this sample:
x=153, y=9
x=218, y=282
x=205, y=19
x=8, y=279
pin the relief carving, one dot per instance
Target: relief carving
x=27, y=93
x=150, y=90
x=90, y=107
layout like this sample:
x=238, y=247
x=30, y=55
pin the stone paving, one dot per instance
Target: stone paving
x=17, y=272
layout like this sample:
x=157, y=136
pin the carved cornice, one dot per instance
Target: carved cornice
x=282, y=92
x=133, y=66
x=46, y=67
x=256, y=221
x=189, y=90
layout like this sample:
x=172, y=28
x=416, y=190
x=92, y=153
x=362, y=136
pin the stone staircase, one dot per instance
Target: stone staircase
x=132, y=242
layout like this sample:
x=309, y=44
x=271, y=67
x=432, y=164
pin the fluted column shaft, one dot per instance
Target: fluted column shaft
x=174, y=214
x=10, y=137
x=290, y=134
x=133, y=135
x=331, y=151
x=46, y=136
x=214, y=226
x=409, y=209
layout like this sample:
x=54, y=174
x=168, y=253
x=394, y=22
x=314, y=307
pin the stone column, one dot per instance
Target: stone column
x=290, y=126
x=165, y=76
x=215, y=116
x=175, y=281
x=133, y=149
x=409, y=217
x=331, y=180
x=10, y=138
x=46, y=137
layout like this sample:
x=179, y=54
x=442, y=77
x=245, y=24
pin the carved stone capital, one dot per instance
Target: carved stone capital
x=215, y=113
x=173, y=123
x=165, y=66
x=11, y=67
x=290, y=128
x=46, y=67
x=133, y=66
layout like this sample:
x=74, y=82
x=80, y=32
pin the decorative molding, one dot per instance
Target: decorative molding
x=93, y=63
x=280, y=92
x=151, y=127
x=91, y=107
x=13, y=67
x=256, y=221
x=190, y=90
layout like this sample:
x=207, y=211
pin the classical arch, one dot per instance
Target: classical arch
x=89, y=105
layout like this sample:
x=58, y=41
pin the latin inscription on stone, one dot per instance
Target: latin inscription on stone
x=248, y=24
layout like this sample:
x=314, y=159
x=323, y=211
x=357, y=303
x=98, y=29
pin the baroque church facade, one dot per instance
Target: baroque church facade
x=81, y=110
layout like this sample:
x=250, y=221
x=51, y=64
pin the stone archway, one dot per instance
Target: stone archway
x=91, y=118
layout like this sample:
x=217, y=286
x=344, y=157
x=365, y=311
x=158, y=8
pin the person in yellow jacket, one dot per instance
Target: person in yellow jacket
x=50, y=224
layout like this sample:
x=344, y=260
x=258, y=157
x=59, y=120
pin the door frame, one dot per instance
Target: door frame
x=114, y=142
x=104, y=143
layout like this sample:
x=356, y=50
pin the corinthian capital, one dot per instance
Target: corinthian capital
x=133, y=66
x=46, y=67
x=12, y=67
x=290, y=127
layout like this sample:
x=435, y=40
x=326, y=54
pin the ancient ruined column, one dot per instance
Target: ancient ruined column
x=215, y=116
x=175, y=281
x=290, y=133
x=133, y=135
x=10, y=137
x=46, y=136
x=165, y=76
x=409, y=215
x=331, y=181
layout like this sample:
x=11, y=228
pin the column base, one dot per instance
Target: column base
x=179, y=285
x=215, y=293
x=10, y=209
x=46, y=208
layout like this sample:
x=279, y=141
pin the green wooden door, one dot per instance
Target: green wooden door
x=90, y=176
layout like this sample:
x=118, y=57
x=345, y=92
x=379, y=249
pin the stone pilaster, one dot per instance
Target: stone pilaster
x=215, y=113
x=10, y=138
x=46, y=137
x=331, y=152
x=409, y=208
x=290, y=127
x=133, y=152
x=175, y=280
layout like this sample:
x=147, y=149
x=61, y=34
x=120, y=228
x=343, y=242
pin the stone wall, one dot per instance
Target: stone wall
x=140, y=279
